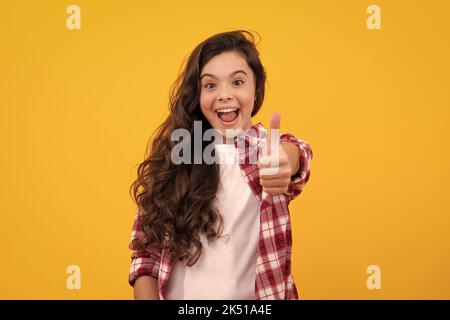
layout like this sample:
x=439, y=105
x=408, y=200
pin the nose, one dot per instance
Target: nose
x=222, y=99
x=224, y=95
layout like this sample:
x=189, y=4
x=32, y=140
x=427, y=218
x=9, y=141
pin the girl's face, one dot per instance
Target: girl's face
x=227, y=93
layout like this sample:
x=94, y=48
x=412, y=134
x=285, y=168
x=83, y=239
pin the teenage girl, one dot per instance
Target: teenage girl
x=220, y=230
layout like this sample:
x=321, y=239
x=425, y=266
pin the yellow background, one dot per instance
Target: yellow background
x=77, y=108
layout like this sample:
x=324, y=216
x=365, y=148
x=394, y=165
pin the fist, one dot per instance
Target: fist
x=280, y=162
x=275, y=179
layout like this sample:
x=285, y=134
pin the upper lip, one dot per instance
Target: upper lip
x=226, y=107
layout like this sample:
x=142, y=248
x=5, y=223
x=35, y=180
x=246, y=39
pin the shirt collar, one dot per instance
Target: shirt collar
x=252, y=137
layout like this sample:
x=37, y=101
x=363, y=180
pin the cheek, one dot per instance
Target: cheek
x=205, y=104
x=249, y=101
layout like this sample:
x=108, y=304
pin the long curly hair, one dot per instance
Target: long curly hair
x=176, y=202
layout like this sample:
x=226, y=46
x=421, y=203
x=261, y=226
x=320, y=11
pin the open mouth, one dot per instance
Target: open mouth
x=228, y=116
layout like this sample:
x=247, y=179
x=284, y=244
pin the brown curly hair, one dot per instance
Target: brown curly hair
x=176, y=202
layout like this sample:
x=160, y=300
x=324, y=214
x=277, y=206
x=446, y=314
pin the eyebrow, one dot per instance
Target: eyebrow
x=213, y=76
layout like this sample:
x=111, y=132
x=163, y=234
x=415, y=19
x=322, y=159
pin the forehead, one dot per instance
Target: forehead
x=225, y=63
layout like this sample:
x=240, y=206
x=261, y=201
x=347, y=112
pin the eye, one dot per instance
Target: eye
x=238, y=80
x=207, y=85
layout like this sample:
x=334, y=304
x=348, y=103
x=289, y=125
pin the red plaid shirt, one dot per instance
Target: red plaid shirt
x=274, y=280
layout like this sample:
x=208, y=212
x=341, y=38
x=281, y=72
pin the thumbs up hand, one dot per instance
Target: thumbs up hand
x=279, y=163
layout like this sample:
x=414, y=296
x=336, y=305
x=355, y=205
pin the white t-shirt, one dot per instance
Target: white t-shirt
x=226, y=268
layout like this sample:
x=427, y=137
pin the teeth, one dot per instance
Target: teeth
x=227, y=110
